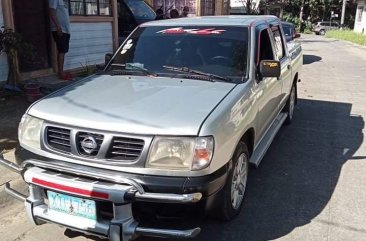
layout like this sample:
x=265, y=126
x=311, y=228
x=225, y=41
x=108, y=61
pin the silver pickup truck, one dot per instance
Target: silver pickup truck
x=171, y=125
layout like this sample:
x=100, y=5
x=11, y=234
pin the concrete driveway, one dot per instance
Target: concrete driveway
x=311, y=183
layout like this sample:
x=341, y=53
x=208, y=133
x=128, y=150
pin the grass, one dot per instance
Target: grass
x=348, y=35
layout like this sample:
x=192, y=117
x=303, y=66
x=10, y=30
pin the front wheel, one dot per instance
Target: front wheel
x=322, y=32
x=234, y=189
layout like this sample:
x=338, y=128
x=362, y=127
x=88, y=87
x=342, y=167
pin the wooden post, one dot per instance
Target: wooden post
x=115, y=25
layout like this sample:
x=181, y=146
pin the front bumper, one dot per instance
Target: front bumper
x=208, y=185
x=120, y=191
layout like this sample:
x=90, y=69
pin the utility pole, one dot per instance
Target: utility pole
x=343, y=13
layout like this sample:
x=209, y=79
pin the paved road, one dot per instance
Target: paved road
x=311, y=183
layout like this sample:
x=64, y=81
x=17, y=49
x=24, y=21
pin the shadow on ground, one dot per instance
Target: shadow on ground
x=11, y=110
x=297, y=177
x=309, y=58
x=320, y=40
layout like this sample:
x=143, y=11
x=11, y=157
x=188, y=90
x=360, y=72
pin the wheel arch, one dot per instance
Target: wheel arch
x=294, y=83
x=248, y=138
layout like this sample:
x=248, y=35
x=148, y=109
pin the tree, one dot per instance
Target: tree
x=316, y=10
x=250, y=6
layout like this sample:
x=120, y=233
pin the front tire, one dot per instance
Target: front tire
x=322, y=32
x=290, y=106
x=231, y=201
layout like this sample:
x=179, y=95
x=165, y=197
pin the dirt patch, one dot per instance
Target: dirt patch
x=12, y=107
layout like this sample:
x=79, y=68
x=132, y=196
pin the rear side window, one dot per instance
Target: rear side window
x=265, y=51
x=279, y=45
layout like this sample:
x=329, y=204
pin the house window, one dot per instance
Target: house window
x=207, y=7
x=90, y=7
x=360, y=11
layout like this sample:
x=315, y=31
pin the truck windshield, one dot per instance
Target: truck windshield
x=221, y=51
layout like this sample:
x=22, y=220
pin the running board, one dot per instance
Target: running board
x=263, y=146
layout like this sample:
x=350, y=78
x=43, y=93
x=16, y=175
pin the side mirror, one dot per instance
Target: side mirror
x=297, y=35
x=107, y=58
x=270, y=68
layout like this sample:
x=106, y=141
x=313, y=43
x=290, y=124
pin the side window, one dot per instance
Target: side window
x=265, y=51
x=279, y=46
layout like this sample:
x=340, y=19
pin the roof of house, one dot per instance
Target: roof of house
x=233, y=20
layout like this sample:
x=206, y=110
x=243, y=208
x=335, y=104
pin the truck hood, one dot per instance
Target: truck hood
x=133, y=104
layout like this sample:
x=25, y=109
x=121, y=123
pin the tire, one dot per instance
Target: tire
x=232, y=197
x=322, y=32
x=290, y=105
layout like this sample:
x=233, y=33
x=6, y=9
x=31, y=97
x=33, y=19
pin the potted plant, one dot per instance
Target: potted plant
x=13, y=44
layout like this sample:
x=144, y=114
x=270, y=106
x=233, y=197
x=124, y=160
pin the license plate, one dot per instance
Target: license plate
x=72, y=205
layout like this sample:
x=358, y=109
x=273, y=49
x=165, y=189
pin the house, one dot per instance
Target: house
x=94, y=32
x=360, y=21
x=196, y=7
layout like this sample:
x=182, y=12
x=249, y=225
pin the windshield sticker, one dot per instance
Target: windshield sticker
x=208, y=31
x=127, y=46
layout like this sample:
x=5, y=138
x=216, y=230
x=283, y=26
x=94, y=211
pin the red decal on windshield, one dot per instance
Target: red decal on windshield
x=173, y=31
x=207, y=31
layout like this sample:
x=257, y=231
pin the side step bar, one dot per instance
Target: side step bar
x=167, y=233
x=266, y=141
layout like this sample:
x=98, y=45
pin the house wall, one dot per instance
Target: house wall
x=88, y=44
x=3, y=60
x=360, y=23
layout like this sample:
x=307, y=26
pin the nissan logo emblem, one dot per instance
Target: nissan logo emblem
x=89, y=144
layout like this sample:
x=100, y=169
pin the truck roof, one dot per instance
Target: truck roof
x=226, y=20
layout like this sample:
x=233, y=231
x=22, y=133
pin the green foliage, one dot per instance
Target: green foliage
x=292, y=19
x=87, y=69
x=317, y=10
x=347, y=35
x=308, y=27
x=12, y=43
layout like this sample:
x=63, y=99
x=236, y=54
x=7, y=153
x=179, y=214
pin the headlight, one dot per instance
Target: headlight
x=29, y=131
x=181, y=153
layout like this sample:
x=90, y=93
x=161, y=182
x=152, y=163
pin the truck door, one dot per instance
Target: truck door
x=267, y=90
x=281, y=54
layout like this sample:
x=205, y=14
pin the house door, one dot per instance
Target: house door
x=32, y=22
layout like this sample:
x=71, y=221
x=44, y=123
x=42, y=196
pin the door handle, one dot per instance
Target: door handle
x=289, y=66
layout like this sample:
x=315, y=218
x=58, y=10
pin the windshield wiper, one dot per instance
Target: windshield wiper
x=192, y=71
x=134, y=67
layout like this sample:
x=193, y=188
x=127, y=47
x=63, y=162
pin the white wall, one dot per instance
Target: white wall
x=360, y=26
x=88, y=44
x=3, y=60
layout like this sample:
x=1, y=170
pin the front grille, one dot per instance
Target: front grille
x=58, y=138
x=123, y=148
x=98, y=146
x=88, y=151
